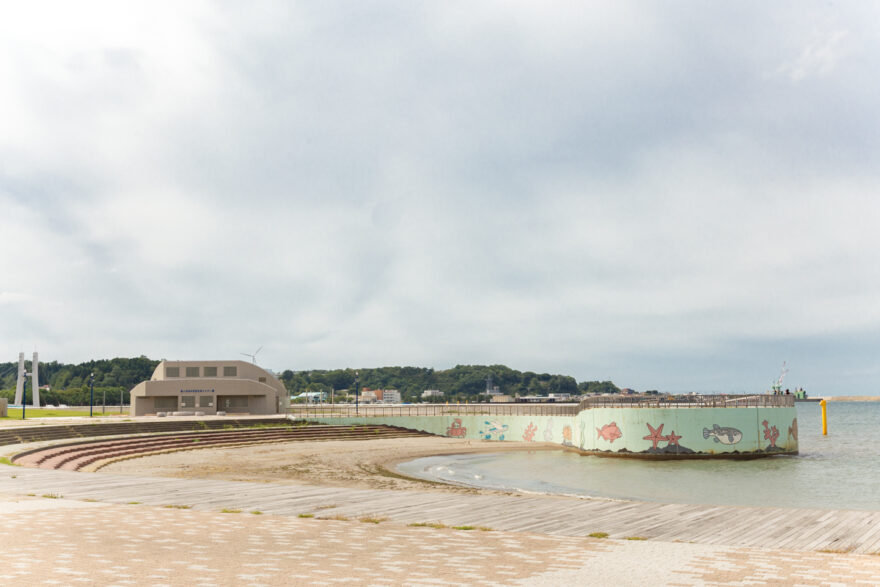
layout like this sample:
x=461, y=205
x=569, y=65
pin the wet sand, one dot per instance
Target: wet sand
x=365, y=464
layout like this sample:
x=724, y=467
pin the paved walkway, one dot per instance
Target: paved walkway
x=58, y=541
x=786, y=528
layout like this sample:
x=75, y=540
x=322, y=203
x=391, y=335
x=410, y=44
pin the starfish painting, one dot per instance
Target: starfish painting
x=673, y=439
x=656, y=435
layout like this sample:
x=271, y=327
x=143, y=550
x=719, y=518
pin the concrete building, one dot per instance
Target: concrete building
x=390, y=396
x=234, y=387
x=368, y=396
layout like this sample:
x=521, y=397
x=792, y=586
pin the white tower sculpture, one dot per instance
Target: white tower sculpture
x=35, y=380
x=19, y=383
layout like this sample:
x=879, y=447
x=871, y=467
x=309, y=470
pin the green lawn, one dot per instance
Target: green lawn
x=15, y=413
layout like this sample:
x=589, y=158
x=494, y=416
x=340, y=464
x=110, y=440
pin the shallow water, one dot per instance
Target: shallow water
x=839, y=471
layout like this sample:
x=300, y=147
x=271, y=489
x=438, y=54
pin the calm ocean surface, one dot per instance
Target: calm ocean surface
x=838, y=471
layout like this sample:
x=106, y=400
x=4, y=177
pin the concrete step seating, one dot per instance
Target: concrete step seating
x=79, y=455
x=44, y=433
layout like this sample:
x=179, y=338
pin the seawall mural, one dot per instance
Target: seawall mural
x=623, y=432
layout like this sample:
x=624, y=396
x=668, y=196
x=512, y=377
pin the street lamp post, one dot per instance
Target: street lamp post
x=356, y=394
x=104, y=400
x=24, y=396
x=91, y=393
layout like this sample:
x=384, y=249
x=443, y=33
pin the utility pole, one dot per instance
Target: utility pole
x=91, y=393
x=356, y=394
x=24, y=395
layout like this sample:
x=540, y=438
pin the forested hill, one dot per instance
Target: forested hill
x=69, y=383
x=461, y=383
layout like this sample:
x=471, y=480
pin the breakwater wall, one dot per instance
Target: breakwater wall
x=626, y=430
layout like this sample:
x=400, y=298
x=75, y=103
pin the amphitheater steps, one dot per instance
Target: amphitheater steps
x=48, y=433
x=80, y=455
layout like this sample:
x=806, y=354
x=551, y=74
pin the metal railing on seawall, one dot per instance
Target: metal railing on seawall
x=688, y=401
x=384, y=411
x=548, y=409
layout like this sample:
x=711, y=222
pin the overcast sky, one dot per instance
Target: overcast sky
x=672, y=195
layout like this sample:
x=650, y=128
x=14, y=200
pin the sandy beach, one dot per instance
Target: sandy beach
x=368, y=464
x=347, y=516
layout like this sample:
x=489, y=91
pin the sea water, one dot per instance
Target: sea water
x=837, y=471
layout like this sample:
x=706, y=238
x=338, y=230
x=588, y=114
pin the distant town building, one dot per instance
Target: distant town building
x=432, y=393
x=390, y=396
x=368, y=396
x=559, y=397
x=500, y=398
x=311, y=396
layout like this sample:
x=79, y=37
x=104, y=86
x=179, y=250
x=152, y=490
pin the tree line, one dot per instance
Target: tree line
x=459, y=384
x=69, y=383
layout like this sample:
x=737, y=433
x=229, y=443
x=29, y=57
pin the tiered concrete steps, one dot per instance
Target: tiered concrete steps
x=95, y=454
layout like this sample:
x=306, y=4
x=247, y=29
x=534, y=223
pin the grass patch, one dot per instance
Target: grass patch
x=485, y=529
x=464, y=527
x=372, y=519
x=51, y=496
x=6, y=461
x=598, y=534
x=15, y=413
x=437, y=525
x=177, y=507
x=636, y=538
x=306, y=516
x=339, y=517
x=91, y=500
x=329, y=506
x=256, y=512
x=229, y=511
x=31, y=494
x=134, y=503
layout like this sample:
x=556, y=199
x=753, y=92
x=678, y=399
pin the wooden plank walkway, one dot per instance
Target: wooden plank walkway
x=777, y=528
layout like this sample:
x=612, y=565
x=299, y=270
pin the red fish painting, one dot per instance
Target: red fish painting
x=609, y=432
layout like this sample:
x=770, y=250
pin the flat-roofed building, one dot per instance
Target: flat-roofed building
x=390, y=396
x=234, y=387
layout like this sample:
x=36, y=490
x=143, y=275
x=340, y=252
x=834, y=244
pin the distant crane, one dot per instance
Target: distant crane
x=777, y=385
x=254, y=355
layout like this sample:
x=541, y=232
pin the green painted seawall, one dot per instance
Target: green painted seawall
x=681, y=432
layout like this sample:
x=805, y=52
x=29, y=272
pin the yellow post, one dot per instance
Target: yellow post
x=824, y=418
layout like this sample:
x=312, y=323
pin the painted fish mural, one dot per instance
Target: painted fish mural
x=724, y=435
x=792, y=430
x=494, y=428
x=609, y=432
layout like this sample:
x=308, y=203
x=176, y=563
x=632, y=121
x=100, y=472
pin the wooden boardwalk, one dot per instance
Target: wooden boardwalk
x=774, y=528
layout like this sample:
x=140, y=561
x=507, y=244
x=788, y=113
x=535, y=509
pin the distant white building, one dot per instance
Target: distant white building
x=311, y=396
x=390, y=396
x=432, y=393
